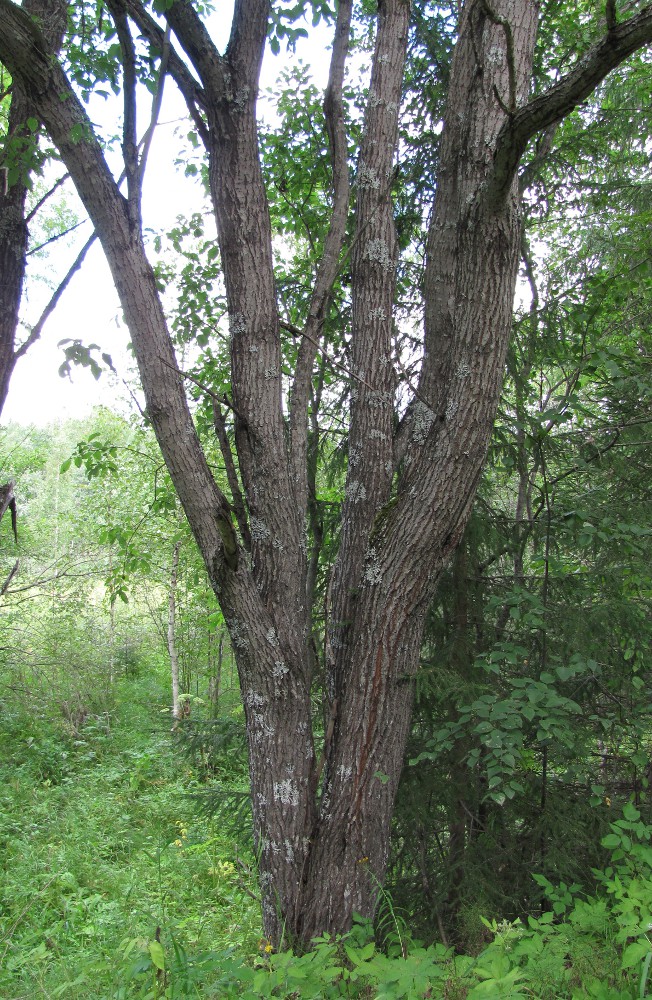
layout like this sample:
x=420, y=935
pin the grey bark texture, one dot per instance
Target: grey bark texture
x=322, y=819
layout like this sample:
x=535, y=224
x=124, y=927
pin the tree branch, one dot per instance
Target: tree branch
x=198, y=45
x=37, y=329
x=551, y=107
x=231, y=474
x=146, y=141
x=298, y=332
x=48, y=194
x=185, y=81
x=53, y=239
x=328, y=266
x=129, y=128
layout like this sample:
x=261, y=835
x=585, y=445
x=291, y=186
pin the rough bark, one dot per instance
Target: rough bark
x=322, y=825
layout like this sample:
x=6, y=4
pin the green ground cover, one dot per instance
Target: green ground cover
x=115, y=886
x=102, y=851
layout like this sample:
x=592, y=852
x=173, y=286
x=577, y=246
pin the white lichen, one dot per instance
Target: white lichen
x=372, y=573
x=238, y=635
x=272, y=637
x=378, y=251
x=367, y=177
x=377, y=313
x=271, y=373
x=241, y=97
x=463, y=370
x=379, y=397
x=259, y=530
x=279, y=670
x=253, y=699
x=253, y=349
x=495, y=56
x=452, y=407
x=422, y=420
x=286, y=792
x=355, y=491
x=237, y=324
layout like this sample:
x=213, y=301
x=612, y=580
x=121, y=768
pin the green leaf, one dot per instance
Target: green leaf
x=635, y=953
x=157, y=954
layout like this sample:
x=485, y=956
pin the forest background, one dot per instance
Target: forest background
x=520, y=861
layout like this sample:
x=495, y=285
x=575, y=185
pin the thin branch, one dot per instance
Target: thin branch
x=298, y=332
x=39, y=204
x=204, y=388
x=8, y=502
x=53, y=239
x=146, y=141
x=12, y=574
x=328, y=268
x=559, y=100
x=188, y=86
x=231, y=474
x=544, y=146
x=129, y=133
x=50, y=307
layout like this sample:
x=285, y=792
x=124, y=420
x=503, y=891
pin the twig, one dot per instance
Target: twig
x=204, y=388
x=53, y=239
x=146, y=141
x=50, y=307
x=297, y=332
x=45, y=197
x=9, y=578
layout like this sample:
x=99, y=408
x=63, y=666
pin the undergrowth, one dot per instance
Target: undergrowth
x=102, y=851
x=115, y=887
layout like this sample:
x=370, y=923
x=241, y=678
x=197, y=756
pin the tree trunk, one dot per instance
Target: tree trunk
x=322, y=822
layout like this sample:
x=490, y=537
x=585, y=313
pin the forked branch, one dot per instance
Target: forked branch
x=559, y=100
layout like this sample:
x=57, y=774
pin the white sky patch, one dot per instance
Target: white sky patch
x=89, y=309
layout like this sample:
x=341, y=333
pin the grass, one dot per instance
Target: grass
x=102, y=852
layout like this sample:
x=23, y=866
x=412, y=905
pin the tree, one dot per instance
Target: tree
x=322, y=818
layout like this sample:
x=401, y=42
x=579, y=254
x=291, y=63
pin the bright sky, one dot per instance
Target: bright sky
x=89, y=309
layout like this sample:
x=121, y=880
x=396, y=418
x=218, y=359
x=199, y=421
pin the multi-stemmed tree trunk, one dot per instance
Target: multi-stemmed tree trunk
x=322, y=815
